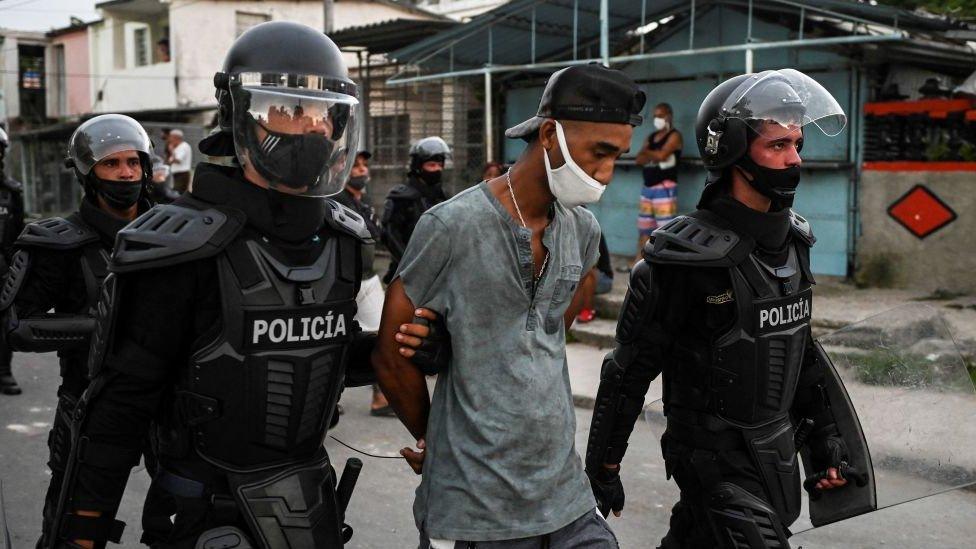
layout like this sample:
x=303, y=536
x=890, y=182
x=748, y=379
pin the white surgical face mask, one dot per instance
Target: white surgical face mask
x=659, y=123
x=569, y=183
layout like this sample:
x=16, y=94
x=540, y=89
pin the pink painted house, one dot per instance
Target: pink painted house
x=69, y=90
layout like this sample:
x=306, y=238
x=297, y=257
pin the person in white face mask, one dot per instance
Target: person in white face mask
x=502, y=262
x=659, y=157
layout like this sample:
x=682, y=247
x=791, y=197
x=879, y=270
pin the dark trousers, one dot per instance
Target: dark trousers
x=697, y=472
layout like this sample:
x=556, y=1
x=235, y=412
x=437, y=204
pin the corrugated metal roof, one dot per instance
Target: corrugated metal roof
x=385, y=36
x=503, y=36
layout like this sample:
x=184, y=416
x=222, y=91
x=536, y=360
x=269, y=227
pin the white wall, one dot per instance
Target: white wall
x=122, y=87
x=201, y=33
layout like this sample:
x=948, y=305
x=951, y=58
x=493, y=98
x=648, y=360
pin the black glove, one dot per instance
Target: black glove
x=607, y=489
x=434, y=353
x=827, y=448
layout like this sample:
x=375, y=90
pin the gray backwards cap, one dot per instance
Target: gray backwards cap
x=590, y=93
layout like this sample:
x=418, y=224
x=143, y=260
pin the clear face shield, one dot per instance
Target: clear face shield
x=775, y=102
x=299, y=133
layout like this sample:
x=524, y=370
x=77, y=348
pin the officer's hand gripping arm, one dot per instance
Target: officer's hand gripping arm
x=626, y=375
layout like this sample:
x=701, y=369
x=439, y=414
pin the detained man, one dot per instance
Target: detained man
x=501, y=262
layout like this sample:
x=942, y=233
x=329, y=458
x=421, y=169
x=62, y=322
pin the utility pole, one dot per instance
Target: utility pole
x=328, y=10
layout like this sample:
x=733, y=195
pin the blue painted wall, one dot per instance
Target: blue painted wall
x=684, y=82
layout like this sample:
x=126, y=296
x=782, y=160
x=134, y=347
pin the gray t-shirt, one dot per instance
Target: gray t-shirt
x=501, y=460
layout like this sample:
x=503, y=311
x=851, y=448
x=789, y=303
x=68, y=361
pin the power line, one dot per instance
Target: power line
x=113, y=76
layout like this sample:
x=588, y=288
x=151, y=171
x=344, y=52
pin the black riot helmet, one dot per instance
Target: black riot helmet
x=285, y=96
x=100, y=137
x=427, y=149
x=745, y=106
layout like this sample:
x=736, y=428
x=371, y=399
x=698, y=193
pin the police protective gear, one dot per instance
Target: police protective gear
x=59, y=263
x=100, y=137
x=426, y=150
x=105, y=135
x=730, y=395
x=11, y=223
x=283, y=299
x=608, y=490
x=754, y=104
x=569, y=183
x=298, y=128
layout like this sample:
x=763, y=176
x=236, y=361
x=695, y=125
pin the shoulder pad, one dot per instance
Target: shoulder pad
x=56, y=233
x=800, y=227
x=169, y=234
x=688, y=240
x=347, y=221
x=403, y=192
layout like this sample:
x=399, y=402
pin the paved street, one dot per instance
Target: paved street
x=380, y=508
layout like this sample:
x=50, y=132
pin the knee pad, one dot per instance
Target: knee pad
x=740, y=520
x=223, y=537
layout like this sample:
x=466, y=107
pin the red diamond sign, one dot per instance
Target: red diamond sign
x=921, y=211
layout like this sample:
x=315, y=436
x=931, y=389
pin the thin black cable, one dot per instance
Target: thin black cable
x=354, y=449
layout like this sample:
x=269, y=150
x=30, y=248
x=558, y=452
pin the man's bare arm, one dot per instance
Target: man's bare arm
x=672, y=145
x=403, y=383
x=644, y=155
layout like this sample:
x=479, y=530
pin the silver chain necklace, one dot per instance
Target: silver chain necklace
x=545, y=262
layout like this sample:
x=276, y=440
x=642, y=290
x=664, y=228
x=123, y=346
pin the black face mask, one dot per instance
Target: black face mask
x=432, y=179
x=120, y=195
x=776, y=185
x=295, y=161
x=358, y=183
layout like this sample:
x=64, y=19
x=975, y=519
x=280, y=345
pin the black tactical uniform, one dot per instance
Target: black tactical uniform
x=60, y=264
x=721, y=306
x=365, y=211
x=227, y=320
x=408, y=201
x=11, y=224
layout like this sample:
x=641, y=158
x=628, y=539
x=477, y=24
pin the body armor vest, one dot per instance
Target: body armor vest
x=261, y=393
x=756, y=364
x=748, y=373
x=740, y=388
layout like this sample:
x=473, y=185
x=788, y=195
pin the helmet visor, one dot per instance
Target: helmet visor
x=788, y=98
x=105, y=135
x=303, y=141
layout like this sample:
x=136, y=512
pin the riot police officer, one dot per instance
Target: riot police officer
x=60, y=264
x=720, y=305
x=227, y=322
x=408, y=201
x=11, y=223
